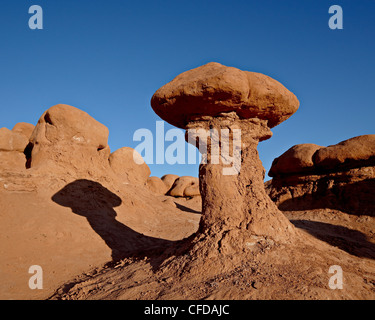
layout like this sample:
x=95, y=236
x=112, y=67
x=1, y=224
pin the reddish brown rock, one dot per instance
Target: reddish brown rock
x=192, y=190
x=12, y=146
x=68, y=139
x=340, y=177
x=128, y=164
x=24, y=128
x=237, y=213
x=298, y=158
x=156, y=185
x=14, y=161
x=213, y=88
x=354, y=152
x=185, y=187
x=12, y=141
x=169, y=179
x=71, y=202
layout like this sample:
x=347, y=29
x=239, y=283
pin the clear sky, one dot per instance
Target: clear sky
x=109, y=57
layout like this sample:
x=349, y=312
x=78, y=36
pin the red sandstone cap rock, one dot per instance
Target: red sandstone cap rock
x=214, y=88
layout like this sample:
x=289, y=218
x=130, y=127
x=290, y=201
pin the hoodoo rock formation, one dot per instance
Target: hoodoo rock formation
x=237, y=213
x=341, y=177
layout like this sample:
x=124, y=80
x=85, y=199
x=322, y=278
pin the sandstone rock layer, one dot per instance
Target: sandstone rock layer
x=341, y=177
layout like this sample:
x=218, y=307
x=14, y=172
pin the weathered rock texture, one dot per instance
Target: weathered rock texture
x=24, y=128
x=213, y=88
x=156, y=185
x=295, y=160
x=175, y=186
x=237, y=215
x=128, y=164
x=169, y=180
x=67, y=139
x=341, y=177
x=12, y=146
x=185, y=187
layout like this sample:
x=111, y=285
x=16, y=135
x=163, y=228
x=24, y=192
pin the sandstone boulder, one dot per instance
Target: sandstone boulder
x=69, y=139
x=12, y=141
x=185, y=186
x=128, y=164
x=298, y=158
x=69, y=124
x=24, y=128
x=156, y=185
x=214, y=88
x=354, y=152
x=12, y=147
x=192, y=190
x=169, y=179
x=340, y=177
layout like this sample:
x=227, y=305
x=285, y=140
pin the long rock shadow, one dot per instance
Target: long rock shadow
x=96, y=203
x=186, y=209
x=352, y=241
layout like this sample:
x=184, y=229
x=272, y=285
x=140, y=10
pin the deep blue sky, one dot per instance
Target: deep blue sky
x=109, y=57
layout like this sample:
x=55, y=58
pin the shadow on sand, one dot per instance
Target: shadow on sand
x=352, y=241
x=96, y=203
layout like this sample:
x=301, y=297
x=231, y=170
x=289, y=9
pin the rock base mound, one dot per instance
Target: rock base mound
x=339, y=177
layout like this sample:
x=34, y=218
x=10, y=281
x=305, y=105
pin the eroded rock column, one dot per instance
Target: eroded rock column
x=236, y=211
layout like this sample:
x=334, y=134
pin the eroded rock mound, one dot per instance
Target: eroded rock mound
x=352, y=153
x=67, y=139
x=295, y=160
x=12, y=146
x=128, y=164
x=156, y=185
x=341, y=177
x=175, y=186
x=185, y=187
x=24, y=128
x=169, y=180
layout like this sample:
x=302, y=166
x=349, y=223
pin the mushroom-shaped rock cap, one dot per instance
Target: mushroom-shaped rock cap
x=214, y=88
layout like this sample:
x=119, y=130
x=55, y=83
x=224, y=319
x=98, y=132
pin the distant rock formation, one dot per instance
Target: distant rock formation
x=156, y=185
x=175, y=186
x=12, y=146
x=185, y=187
x=340, y=176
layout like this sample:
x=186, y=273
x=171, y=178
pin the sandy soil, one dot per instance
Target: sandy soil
x=296, y=272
